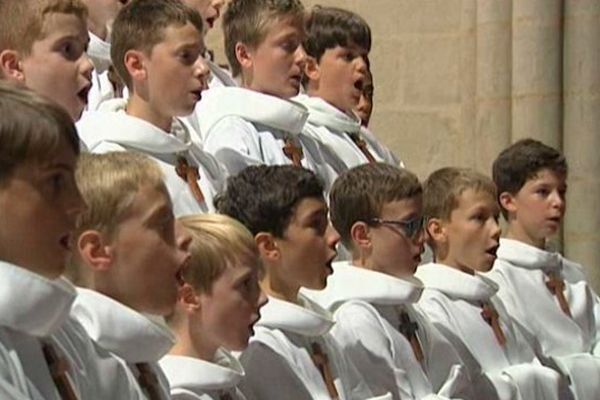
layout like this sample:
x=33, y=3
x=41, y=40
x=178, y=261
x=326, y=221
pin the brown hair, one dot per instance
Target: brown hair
x=247, y=22
x=22, y=21
x=360, y=194
x=141, y=25
x=32, y=128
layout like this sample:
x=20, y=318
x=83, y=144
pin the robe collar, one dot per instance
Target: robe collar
x=321, y=113
x=99, y=52
x=133, y=336
x=31, y=303
x=523, y=255
x=306, y=318
x=353, y=283
x=112, y=124
x=274, y=112
x=455, y=283
x=199, y=376
x=222, y=76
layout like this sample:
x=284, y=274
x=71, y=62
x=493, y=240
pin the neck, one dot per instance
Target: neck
x=98, y=29
x=450, y=262
x=279, y=289
x=516, y=232
x=140, y=108
x=190, y=344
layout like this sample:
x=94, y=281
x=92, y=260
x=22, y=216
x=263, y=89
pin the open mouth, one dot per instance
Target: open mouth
x=492, y=251
x=359, y=84
x=179, y=277
x=555, y=220
x=83, y=93
x=197, y=94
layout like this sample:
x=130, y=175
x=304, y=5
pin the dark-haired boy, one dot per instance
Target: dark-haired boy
x=338, y=43
x=157, y=49
x=545, y=292
x=292, y=353
x=377, y=209
x=463, y=232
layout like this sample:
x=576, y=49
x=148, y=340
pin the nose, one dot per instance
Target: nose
x=332, y=237
x=86, y=66
x=262, y=299
x=75, y=204
x=183, y=238
x=496, y=230
x=300, y=56
x=202, y=72
x=361, y=65
x=558, y=200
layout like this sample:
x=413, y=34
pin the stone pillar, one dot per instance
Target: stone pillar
x=493, y=81
x=581, y=133
x=537, y=71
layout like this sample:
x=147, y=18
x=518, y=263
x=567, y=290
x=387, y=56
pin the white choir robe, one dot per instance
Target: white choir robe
x=35, y=309
x=220, y=77
x=128, y=337
x=241, y=127
x=331, y=128
x=196, y=379
x=521, y=272
x=366, y=307
x=102, y=89
x=452, y=300
x=278, y=361
x=113, y=130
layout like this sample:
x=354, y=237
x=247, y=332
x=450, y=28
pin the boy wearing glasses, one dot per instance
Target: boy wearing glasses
x=372, y=296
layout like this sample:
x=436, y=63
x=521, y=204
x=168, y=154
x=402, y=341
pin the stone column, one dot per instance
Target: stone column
x=581, y=133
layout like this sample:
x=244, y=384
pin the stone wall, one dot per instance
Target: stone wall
x=458, y=80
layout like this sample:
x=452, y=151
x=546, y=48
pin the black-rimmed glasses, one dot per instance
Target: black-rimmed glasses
x=410, y=228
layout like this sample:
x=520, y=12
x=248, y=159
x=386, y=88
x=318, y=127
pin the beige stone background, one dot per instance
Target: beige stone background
x=458, y=80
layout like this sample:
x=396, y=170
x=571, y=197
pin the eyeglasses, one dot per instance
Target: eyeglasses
x=410, y=228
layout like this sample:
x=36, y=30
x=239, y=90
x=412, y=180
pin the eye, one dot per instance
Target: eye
x=57, y=182
x=543, y=192
x=71, y=50
x=290, y=46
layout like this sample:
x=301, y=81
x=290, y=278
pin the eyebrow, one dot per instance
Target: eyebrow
x=156, y=213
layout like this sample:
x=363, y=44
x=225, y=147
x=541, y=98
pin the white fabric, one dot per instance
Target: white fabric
x=219, y=77
x=241, y=127
x=102, y=89
x=34, y=309
x=195, y=379
x=452, y=300
x=278, y=359
x=521, y=271
x=366, y=306
x=111, y=129
x=331, y=129
x=130, y=337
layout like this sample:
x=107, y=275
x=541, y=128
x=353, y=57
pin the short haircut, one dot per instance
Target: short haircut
x=360, y=194
x=22, y=21
x=141, y=25
x=248, y=22
x=32, y=128
x=264, y=198
x=218, y=242
x=108, y=184
x=522, y=161
x=329, y=27
x=443, y=188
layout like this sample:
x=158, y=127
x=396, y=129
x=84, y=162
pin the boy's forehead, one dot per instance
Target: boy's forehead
x=545, y=174
x=472, y=197
x=183, y=34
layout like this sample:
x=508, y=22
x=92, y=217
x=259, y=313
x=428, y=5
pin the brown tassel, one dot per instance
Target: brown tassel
x=556, y=285
x=191, y=175
x=362, y=146
x=293, y=152
x=409, y=329
x=490, y=315
x=322, y=363
x=58, y=371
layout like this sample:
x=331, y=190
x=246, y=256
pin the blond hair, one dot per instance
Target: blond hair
x=32, y=128
x=443, y=188
x=218, y=241
x=108, y=184
x=22, y=21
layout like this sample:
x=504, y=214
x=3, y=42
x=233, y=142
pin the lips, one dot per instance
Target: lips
x=83, y=93
x=492, y=251
x=197, y=94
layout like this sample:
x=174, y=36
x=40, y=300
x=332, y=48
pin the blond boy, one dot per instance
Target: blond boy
x=157, y=50
x=373, y=296
x=545, y=292
x=128, y=265
x=42, y=47
x=337, y=43
x=462, y=228
x=256, y=123
x=216, y=310
x=39, y=204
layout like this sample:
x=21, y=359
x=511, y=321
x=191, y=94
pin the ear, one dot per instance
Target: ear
x=93, y=251
x=244, y=55
x=11, y=67
x=436, y=230
x=134, y=61
x=360, y=235
x=507, y=202
x=311, y=69
x=267, y=246
x=187, y=298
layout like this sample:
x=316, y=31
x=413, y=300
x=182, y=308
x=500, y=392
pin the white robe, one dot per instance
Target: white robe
x=129, y=337
x=278, y=360
x=34, y=309
x=114, y=130
x=219, y=77
x=366, y=306
x=102, y=89
x=195, y=379
x=572, y=343
x=331, y=128
x=452, y=300
x=241, y=127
